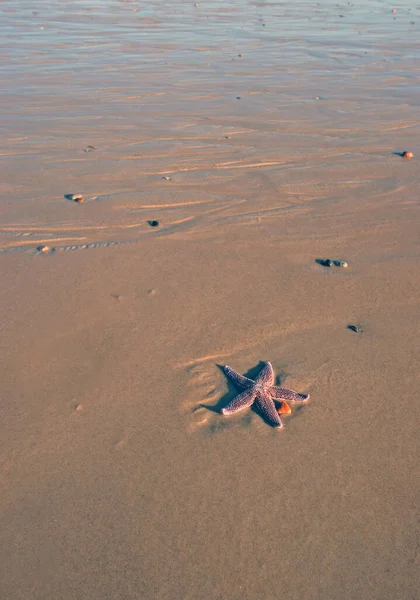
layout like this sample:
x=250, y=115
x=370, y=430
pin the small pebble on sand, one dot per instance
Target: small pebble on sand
x=240, y=55
x=355, y=328
x=341, y=263
x=78, y=407
x=153, y=223
x=44, y=249
x=75, y=197
x=407, y=154
x=166, y=178
x=326, y=262
x=90, y=148
x=394, y=10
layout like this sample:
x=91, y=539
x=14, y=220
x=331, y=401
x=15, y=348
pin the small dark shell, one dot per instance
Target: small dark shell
x=153, y=223
x=326, y=262
x=340, y=263
x=355, y=328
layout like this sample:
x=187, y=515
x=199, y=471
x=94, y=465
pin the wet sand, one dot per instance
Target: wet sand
x=120, y=477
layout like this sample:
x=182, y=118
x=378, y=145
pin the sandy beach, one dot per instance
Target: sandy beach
x=263, y=138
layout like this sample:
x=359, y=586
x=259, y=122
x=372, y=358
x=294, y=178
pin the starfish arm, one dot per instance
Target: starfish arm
x=281, y=393
x=239, y=380
x=268, y=410
x=239, y=403
x=266, y=376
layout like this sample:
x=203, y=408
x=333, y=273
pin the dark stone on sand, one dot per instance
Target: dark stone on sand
x=153, y=223
x=355, y=328
x=324, y=262
x=340, y=263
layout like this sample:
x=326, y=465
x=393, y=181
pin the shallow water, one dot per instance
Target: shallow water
x=327, y=93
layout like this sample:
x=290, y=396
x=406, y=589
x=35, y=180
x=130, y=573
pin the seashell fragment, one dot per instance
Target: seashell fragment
x=407, y=154
x=75, y=197
x=284, y=408
x=326, y=262
x=340, y=263
x=44, y=249
x=355, y=328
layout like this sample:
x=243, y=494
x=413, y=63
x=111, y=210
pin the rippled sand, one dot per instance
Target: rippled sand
x=261, y=136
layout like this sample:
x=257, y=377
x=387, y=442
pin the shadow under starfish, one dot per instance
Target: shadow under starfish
x=262, y=392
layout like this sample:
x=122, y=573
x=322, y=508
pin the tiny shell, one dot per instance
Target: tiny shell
x=43, y=249
x=284, y=408
x=341, y=263
x=75, y=197
x=153, y=223
x=355, y=328
x=407, y=154
x=326, y=262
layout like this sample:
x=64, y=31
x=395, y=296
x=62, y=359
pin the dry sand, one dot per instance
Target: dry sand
x=120, y=478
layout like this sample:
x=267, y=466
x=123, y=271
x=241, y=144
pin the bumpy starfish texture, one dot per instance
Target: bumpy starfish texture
x=262, y=392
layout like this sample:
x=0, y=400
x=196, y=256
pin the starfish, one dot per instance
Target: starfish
x=262, y=392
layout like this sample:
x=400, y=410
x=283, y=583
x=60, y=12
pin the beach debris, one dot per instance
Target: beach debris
x=355, y=328
x=407, y=154
x=196, y=4
x=89, y=148
x=284, y=408
x=78, y=407
x=394, y=10
x=227, y=137
x=153, y=223
x=166, y=178
x=75, y=197
x=240, y=55
x=44, y=249
x=328, y=262
x=262, y=392
x=325, y=262
x=238, y=97
x=340, y=263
